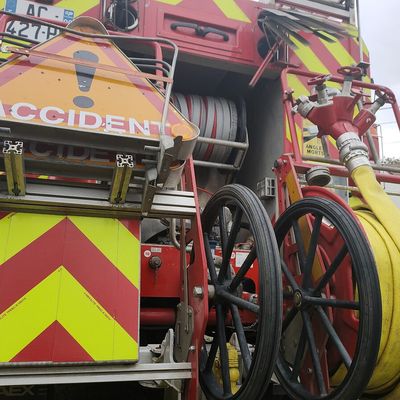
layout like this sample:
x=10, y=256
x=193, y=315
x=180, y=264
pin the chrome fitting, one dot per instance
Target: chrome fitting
x=304, y=106
x=198, y=292
x=318, y=176
x=353, y=152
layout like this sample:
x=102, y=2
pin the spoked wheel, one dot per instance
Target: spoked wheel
x=233, y=215
x=332, y=310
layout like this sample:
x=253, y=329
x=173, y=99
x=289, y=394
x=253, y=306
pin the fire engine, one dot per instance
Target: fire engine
x=192, y=203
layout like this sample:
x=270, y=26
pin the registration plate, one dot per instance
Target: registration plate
x=39, y=10
x=33, y=31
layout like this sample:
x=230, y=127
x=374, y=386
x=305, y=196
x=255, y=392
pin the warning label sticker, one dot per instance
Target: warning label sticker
x=312, y=145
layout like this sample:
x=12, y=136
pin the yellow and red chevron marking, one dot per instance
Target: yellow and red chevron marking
x=229, y=8
x=320, y=57
x=323, y=57
x=68, y=288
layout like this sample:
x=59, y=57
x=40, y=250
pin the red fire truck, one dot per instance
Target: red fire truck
x=192, y=203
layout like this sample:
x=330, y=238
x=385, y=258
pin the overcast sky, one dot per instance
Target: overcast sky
x=380, y=25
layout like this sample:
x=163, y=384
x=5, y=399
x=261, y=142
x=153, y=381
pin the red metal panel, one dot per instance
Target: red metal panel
x=165, y=281
x=241, y=46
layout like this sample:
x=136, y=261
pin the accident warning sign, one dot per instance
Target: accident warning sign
x=84, y=84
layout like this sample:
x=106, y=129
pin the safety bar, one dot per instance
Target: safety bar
x=68, y=60
x=337, y=169
x=325, y=7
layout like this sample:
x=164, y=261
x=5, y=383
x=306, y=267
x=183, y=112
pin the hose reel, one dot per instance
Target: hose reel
x=377, y=213
x=219, y=119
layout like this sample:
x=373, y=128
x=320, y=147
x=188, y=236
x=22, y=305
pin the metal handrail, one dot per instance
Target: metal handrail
x=323, y=7
x=331, y=161
x=344, y=5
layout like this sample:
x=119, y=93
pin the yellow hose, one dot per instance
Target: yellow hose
x=379, y=202
x=380, y=218
x=393, y=395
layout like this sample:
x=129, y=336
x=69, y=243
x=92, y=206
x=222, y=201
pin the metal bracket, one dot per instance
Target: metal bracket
x=167, y=356
x=184, y=326
x=163, y=354
x=121, y=178
x=149, y=190
x=266, y=188
x=169, y=149
x=14, y=166
x=184, y=331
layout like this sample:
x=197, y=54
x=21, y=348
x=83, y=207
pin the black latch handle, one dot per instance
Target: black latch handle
x=176, y=25
x=206, y=30
x=199, y=30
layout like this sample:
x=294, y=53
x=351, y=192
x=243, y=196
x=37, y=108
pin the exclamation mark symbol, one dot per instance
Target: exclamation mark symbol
x=85, y=76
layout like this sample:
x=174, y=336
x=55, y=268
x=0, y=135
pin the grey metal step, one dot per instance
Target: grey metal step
x=117, y=200
x=92, y=201
x=42, y=373
x=48, y=375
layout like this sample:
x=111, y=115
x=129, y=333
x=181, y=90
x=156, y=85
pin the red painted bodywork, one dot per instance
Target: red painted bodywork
x=241, y=47
x=156, y=18
x=158, y=282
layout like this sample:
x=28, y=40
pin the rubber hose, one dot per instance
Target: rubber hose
x=379, y=202
x=394, y=394
x=380, y=218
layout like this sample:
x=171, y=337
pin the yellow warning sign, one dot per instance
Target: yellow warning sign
x=84, y=84
x=312, y=145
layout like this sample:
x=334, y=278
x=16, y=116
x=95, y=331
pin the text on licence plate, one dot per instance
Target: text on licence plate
x=31, y=30
x=40, y=10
